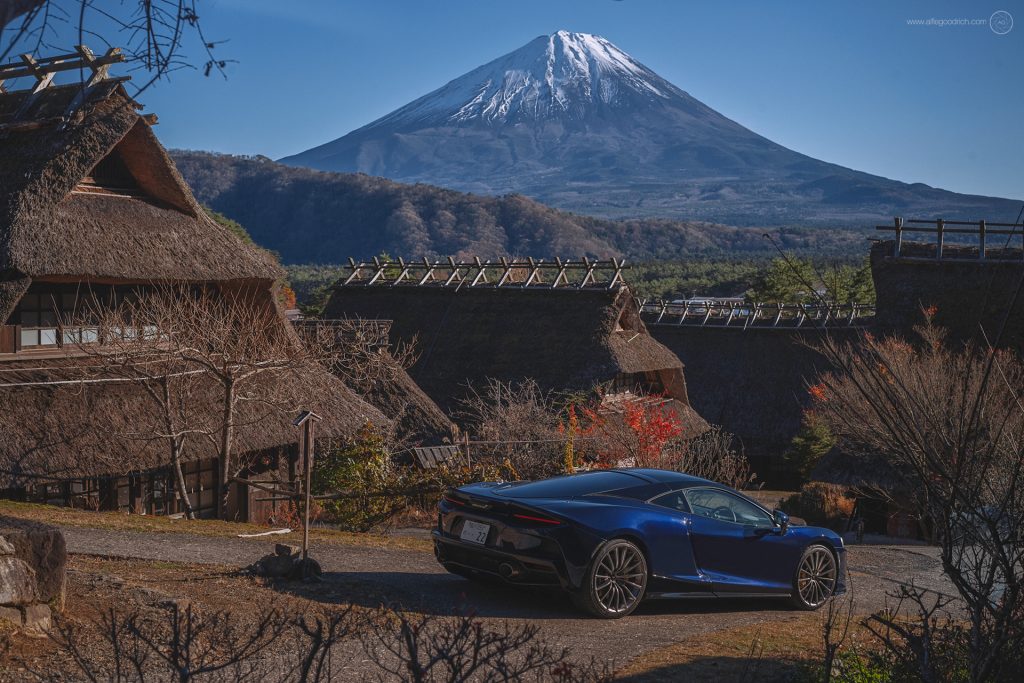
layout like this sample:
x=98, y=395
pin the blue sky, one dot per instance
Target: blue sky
x=847, y=82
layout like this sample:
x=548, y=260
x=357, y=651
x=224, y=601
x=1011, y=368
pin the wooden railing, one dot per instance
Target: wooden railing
x=942, y=228
x=742, y=315
x=504, y=273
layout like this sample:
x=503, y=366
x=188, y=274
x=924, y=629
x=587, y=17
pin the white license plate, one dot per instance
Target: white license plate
x=474, y=532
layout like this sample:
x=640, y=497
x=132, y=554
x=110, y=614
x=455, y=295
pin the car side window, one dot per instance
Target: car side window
x=725, y=507
x=674, y=500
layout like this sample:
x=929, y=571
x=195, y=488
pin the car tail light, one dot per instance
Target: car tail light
x=535, y=518
x=453, y=501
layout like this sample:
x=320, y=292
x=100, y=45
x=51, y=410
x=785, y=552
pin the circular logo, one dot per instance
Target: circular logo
x=1000, y=22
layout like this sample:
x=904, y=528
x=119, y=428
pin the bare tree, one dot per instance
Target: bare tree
x=153, y=34
x=199, y=354
x=243, y=344
x=129, y=344
x=517, y=421
x=710, y=455
x=951, y=422
x=179, y=642
x=458, y=649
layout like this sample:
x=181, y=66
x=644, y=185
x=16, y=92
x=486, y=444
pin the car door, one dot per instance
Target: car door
x=736, y=543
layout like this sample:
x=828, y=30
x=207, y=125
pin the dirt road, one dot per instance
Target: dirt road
x=413, y=578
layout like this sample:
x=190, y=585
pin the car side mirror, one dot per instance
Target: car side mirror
x=781, y=520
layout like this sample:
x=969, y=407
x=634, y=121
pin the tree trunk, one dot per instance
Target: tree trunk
x=227, y=435
x=179, y=478
x=176, y=443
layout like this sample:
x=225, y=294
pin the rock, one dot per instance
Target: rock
x=286, y=549
x=42, y=548
x=5, y=547
x=17, y=582
x=312, y=570
x=37, y=617
x=11, y=614
x=275, y=566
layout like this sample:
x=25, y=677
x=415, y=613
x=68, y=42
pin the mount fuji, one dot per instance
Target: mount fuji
x=575, y=122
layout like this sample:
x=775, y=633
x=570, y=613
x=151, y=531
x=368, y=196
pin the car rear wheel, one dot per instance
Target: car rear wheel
x=615, y=582
x=815, y=580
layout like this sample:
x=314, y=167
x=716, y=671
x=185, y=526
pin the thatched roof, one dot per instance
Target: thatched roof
x=418, y=419
x=968, y=295
x=867, y=472
x=52, y=226
x=566, y=339
x=753, y=383
x=93, y=429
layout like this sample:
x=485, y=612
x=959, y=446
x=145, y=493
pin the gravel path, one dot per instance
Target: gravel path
x=414, y=579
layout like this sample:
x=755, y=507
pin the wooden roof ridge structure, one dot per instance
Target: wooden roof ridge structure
x=515, y=330
x=743, y=315
x=88, y=193
x=44, y=70
x=583, y=273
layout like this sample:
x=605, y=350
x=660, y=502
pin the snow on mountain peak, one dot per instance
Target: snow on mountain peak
x=563, y=74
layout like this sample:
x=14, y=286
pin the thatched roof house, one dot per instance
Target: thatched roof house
x=367, y=365
x=511, y=322
x=968, y=294
x=92, y=209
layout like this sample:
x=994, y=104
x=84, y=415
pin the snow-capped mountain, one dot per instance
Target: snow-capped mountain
x=564, y=75
x=574, y=121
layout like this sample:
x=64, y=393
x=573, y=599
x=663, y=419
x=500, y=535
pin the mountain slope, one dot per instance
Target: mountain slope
x=575, y=122
x=313, y=217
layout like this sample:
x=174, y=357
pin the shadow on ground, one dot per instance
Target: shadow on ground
x=716, y=669
x=432, y=593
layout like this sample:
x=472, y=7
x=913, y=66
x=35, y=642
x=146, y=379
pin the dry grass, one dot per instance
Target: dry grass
x=758, y=652
x=119, y=521
x=95, y=585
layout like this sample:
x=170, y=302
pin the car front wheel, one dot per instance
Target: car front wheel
x=615, y=582
x=816, y=576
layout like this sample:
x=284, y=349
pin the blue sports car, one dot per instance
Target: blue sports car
x=612, y=538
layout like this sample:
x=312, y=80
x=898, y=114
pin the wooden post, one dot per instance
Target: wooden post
x=940, y=226
x=898, y=243
x=981, y=240
x=307, y=488
x=306, y=419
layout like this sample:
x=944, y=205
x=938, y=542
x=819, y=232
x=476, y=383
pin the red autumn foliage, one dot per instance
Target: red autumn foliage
x=639, y=435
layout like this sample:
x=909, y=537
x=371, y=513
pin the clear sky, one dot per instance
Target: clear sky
x=849, y=82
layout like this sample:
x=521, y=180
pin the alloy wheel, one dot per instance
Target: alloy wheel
x=816, y=578
x=620, y=578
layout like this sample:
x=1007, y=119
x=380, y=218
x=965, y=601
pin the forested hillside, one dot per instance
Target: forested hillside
x=317, y=217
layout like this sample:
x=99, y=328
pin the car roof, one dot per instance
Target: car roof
x=663, y=476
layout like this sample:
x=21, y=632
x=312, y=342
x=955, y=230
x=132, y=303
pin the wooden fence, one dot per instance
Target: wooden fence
x=941, y=229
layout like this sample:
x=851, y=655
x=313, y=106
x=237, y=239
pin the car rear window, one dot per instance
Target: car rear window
x=572, y=485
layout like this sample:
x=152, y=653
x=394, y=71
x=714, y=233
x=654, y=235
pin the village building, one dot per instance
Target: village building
x=572, y=327
x=368, y=365
x=750, y=366
x=93, y=210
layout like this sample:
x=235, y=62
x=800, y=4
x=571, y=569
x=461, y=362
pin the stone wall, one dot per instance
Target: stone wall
x=33, y=561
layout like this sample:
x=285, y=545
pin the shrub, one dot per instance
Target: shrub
x=821, y=504
x=812, y=442
x=373, y=489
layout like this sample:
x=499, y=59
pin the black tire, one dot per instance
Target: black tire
x=615, y=582
x=815, y=578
